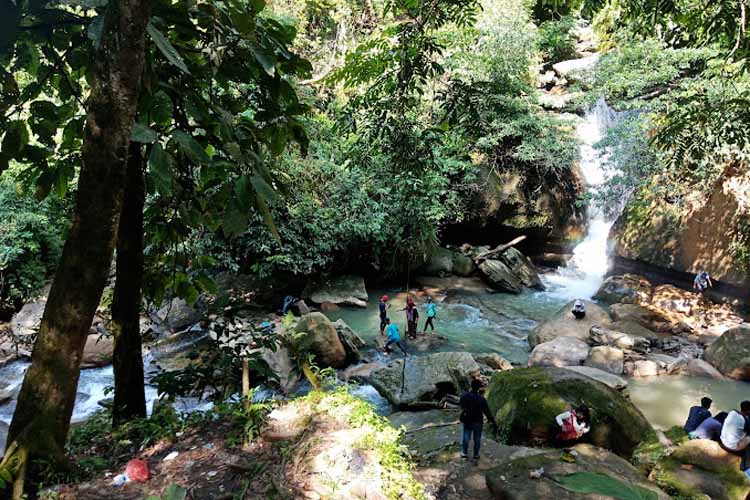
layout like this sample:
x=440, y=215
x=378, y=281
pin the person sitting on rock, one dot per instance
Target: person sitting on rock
x=579, y=309
x=702, y=281
x=431, y=313
x=474, y=408
x=735, y=436
x=697, y=415
x=573, y=425
x=383, y=313
x=393, y=337
x=710, y=428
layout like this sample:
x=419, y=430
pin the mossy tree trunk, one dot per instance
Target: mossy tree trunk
x=130, y=398
x=45, y=404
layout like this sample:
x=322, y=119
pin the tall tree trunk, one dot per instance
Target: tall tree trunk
x=42, y=417
x=130, y=399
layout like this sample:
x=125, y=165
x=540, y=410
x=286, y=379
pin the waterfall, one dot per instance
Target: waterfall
x=584, y=273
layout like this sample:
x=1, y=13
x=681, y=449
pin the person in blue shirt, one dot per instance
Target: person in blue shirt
x=391, y=331
x=710, y=428
x=697, y=415
x=431, y=313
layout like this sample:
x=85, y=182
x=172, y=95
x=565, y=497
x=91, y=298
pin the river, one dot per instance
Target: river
x=480, y=321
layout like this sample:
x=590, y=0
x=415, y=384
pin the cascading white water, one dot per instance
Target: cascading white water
x=583, y=275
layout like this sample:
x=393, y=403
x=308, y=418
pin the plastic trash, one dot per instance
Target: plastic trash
x=119, y=480
x=137, y=470
x=171, y=456
x=536, y=473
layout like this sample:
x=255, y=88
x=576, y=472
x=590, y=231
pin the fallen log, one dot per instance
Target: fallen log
x=497, y=250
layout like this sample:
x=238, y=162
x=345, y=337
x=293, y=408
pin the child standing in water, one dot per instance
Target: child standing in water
x=431, y=313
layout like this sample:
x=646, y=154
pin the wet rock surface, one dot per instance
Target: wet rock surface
x=563, y=324
x=341, y=290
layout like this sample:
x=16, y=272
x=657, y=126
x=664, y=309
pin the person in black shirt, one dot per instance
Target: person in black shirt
x=383, y=313
x=473, y=409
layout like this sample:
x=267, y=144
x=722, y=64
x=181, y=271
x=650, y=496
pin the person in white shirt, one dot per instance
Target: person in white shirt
x=735, y=435
x=573, y=424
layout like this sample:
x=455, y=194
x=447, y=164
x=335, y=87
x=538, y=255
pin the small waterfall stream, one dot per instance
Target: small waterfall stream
x=583, y=275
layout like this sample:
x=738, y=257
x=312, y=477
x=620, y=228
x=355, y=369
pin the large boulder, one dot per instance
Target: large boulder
x=525, y=402
x=700, y=468
x=573, y=69
x=425, y=379
x=280, y=362
x=463, y=265
x=342, y=290
x=27, y=320
x=563, y=324
x=351, y=341
x=320, y=339
x=494, y=361
x=676, y=300
x=600, y=473
x=522, y=268
x=635, y=313
x=440, y=263
x=97, y=351
x=730, y=353
x=609, y=359
x=641, y=368
x=562, y=351
x=500, y=276
x=626, y=289
x=606, y=378
x=178, y=314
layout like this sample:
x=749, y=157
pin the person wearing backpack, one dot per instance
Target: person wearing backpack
x=573, y=425
x=474, y=408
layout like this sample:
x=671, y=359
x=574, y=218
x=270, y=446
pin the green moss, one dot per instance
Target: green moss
x=525, y=402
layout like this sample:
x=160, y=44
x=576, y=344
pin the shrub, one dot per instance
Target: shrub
x=556, y=41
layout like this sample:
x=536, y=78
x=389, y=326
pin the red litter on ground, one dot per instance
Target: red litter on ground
x=137, y=470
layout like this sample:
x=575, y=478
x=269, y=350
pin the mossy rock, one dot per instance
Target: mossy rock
x=701, y=468
x=730, y=353
x=525, y=402
x=510, y=480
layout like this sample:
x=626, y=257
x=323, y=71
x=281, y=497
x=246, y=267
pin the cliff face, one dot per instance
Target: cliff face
x=511, y=204
x=708, y=230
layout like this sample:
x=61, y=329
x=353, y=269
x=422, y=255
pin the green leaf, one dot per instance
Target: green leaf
x=263, y=188
x=16, y=138
x=190, y=146
x=141, y=133
x=167, y=48
x=174, y=492
x=160, y=168
x=266, y=60
x=235, y=220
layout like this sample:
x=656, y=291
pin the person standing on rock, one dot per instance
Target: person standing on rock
x=383, y=306
x=393, y=337
x=735, y=435
x=412, y=317
x=474, y=408
x=431, y=313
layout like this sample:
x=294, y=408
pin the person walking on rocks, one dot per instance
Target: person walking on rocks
x=473, y=410
x=431, y=313
x=702, y=282
x=393, y=337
